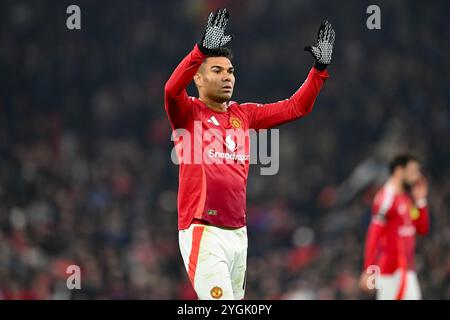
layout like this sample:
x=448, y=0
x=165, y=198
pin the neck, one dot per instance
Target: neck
x=397, y=183
x=214, y=105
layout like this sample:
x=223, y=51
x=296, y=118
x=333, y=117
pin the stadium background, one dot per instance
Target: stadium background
x=85, y=171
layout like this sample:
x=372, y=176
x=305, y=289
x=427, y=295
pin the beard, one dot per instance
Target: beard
x=224, y=95
x=221, y=97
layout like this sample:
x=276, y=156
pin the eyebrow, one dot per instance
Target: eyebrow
x=219, y=67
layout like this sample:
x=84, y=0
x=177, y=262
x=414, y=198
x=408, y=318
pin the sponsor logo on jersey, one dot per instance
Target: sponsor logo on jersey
x=230, y=144
x=225, y=155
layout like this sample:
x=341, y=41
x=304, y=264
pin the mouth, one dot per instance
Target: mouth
x=227, y=88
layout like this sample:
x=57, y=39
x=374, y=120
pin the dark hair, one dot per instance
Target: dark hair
x=401, y=160
x=221, y=52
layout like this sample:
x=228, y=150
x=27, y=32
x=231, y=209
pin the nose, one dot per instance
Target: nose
x=226, y=80
x=227, y=77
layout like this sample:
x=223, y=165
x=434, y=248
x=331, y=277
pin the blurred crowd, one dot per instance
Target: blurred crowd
x=85, y=172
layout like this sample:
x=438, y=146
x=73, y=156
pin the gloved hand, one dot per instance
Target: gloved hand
x=323, y=50
x=214, y=36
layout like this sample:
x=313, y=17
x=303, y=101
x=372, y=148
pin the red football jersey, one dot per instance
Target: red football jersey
x=213, y=171
x=391, y=237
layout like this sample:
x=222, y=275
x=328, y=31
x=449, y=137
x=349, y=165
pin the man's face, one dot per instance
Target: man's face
x=411, y=173
x=215, y=79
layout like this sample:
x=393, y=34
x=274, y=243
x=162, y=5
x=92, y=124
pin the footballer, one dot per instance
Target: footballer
x=399, y=212
x=212, y=192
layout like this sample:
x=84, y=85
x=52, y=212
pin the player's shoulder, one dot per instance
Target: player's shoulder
x=199, y=102
x=250, y=104
x=384, y=199
x=236, y=104
x=196, y=103
x=245, y=108
x=193, y=99
x=385, y=191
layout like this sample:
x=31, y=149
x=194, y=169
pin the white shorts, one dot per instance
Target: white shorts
x=215, y=260
x=396, y=287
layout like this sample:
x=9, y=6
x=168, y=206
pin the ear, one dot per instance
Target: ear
x=198, y=79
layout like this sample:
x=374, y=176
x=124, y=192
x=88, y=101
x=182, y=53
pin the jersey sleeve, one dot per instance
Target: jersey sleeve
x=372, y=243
x=176, y=100
x=381, y=211
x=266, y=116
x=382, y=205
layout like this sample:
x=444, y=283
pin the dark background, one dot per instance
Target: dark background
x=85, y=170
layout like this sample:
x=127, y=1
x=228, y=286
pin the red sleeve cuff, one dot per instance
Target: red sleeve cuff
x=197, y=51
x=323, y=73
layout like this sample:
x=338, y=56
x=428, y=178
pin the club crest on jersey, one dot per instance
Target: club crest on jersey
x=216, y=292
x=235, y=123
x=414, y=213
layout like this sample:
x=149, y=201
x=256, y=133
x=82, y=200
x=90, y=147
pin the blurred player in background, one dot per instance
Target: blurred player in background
x=399, y=212
x=212, y=196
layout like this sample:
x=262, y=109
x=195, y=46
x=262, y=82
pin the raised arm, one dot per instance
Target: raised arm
x=381, y=212
x=265, y=116
x=175, y=95
x=420, y=214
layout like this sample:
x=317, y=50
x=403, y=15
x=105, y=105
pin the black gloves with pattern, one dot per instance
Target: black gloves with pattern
x=214, y=36
x=323, y=50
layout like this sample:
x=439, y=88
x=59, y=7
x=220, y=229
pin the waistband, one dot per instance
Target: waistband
x=207, y=223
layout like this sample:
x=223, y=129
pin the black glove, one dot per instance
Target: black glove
x=323, y=50
x=214, y=37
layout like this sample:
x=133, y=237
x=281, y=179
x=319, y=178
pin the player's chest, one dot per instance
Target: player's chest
x=224, y=136
x=403, y=211
x=230, y=120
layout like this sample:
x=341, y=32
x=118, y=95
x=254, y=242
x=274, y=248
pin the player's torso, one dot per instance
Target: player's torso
x=221, y=155
x=398, y=242
x=224, y=137
x=402, y=224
